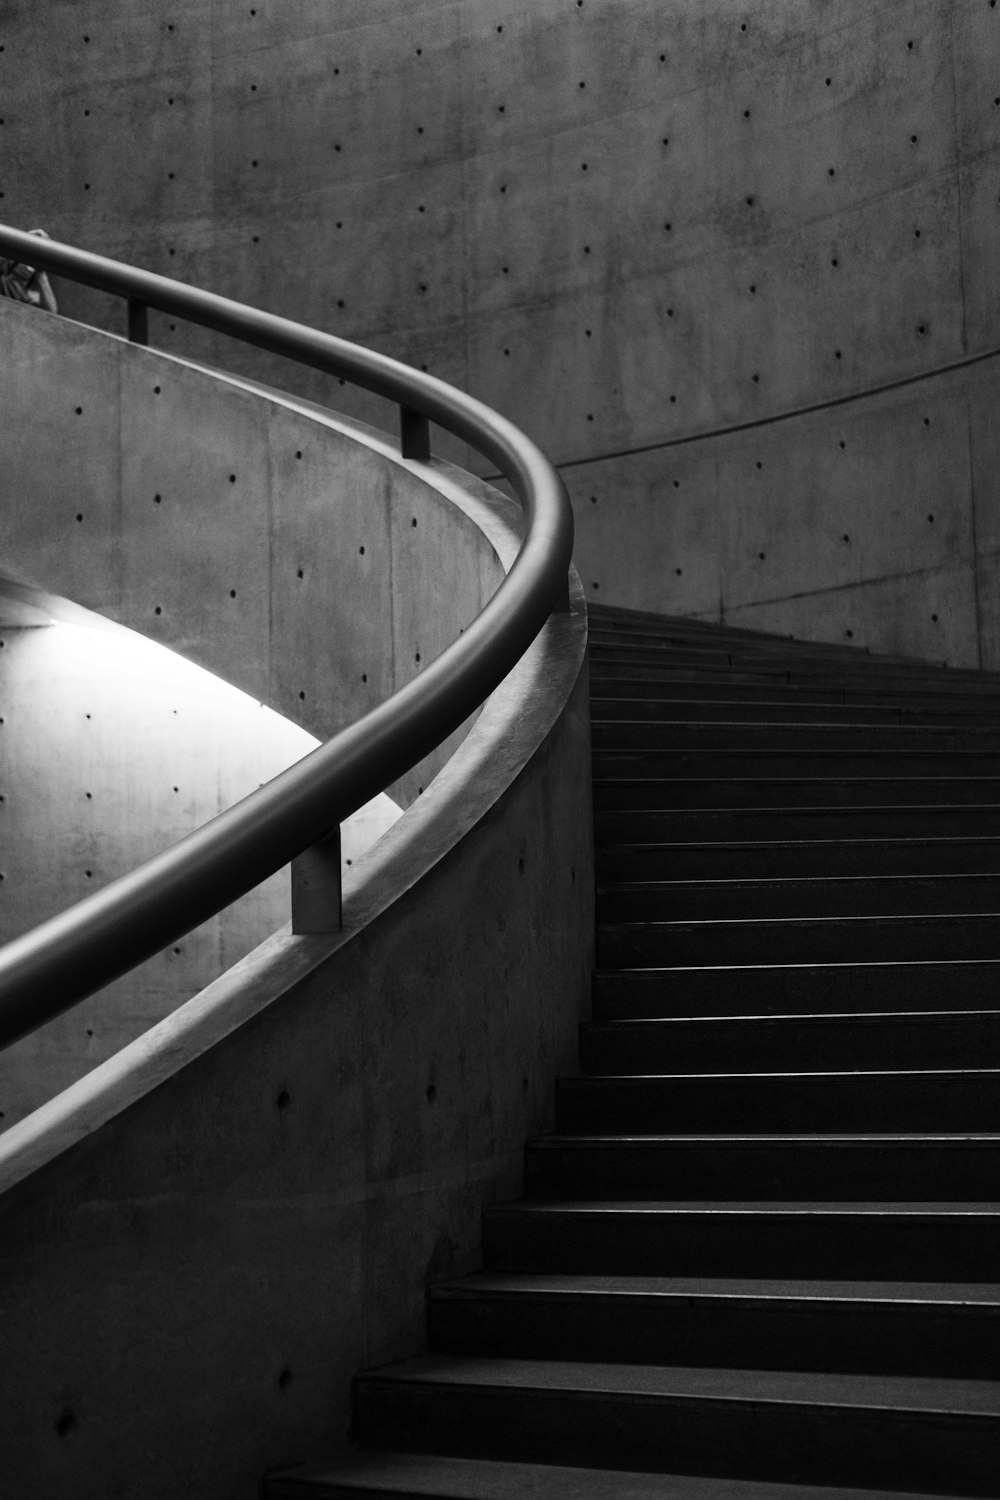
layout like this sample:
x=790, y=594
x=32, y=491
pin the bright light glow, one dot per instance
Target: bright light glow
x=209, y=717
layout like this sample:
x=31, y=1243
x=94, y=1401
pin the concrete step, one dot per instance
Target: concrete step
x=630, y=757
x=780, y=824
x=892, y=1328
x=611, y=710
x=397, y=1476
x=788, y=940
x=766, y=675
x=618, y=617
x=819, y=896
x=737, y=656
x=677, y=632
x=940, y=1100
x=807, y=1168
x=673, y=643
x=666, y=649
x=845, y=1240
x=650, y=627
x=677, y=637
x=710, y=690
x=648, y=748
x=767, y=1425
x=797, y=858
x=695, y=736
x=769, y=1043
x=624, y=792
x=768, y=989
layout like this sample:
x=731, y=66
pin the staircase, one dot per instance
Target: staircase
x=760, y=1257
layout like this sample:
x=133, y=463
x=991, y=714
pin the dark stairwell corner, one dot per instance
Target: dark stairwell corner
x=759, y=1256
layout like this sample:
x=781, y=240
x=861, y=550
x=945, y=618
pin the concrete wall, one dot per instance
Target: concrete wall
x=205, y=1237
x=619, y=222
x=186, y=1293
x=269, y=546
x=876, y=522
x=111, y=750
x=254, y=539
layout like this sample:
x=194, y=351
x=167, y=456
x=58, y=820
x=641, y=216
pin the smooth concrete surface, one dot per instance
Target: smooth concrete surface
x=620, y=225
x=110, y=750
x=875, y=522
x=201, y=1242
x=206, y=1236
x=291, y=554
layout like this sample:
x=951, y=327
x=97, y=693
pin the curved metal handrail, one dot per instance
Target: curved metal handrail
x=63, y=960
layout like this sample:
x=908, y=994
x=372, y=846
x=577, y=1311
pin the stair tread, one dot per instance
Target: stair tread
x=669, y=846
x=798, y=812
x=801, y=1018
x=589, y=1079
x=884, y=918
x=428, y=1474
x=913, y=1393
x=526, y=1283
x=763, y=1207
x=802, y=964
x=729, y=1139
x=482, y=1479
x=733, y=886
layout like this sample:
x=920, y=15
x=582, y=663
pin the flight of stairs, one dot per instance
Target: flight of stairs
x=760, y=1256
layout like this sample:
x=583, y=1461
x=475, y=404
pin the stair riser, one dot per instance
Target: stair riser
x=803, y=791
x=606, y=712
x=737, y=656
x=726, y=1332
x=630, y=759
x=771, y=1104
x=935, y=698
x=675, y=902
x=773, y=1441
x=811, y=677
x=757, y=1045
x=722, y=658
x=612, y=618
x=851, y=738
x=720, y=640
x=814, y=1173
x=807, y=1244
x=735, y=991
x=804, y=940
x=637, y=862
x=807, y=825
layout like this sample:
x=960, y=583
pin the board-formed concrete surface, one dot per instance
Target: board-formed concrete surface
x=617, y=222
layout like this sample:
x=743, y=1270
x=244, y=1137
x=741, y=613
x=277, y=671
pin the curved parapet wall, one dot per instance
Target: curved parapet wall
x=291, y=554
x=202, y=1240
x=874, y=521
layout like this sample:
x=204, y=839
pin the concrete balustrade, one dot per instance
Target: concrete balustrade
x=203, y=1238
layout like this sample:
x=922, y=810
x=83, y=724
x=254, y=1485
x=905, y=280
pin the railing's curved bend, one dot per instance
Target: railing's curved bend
x=75, y=953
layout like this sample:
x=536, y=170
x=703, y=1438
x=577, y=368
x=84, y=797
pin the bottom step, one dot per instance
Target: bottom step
x=782, y=1427
x=397, y=1475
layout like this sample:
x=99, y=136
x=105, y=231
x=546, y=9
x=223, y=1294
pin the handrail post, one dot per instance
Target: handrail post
x=317, y=903
x=138, y=322
x=414, y=435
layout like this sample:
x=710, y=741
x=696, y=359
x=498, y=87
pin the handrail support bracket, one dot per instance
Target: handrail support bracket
x=138, y=321
x=317, y=900
x=414, y=435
